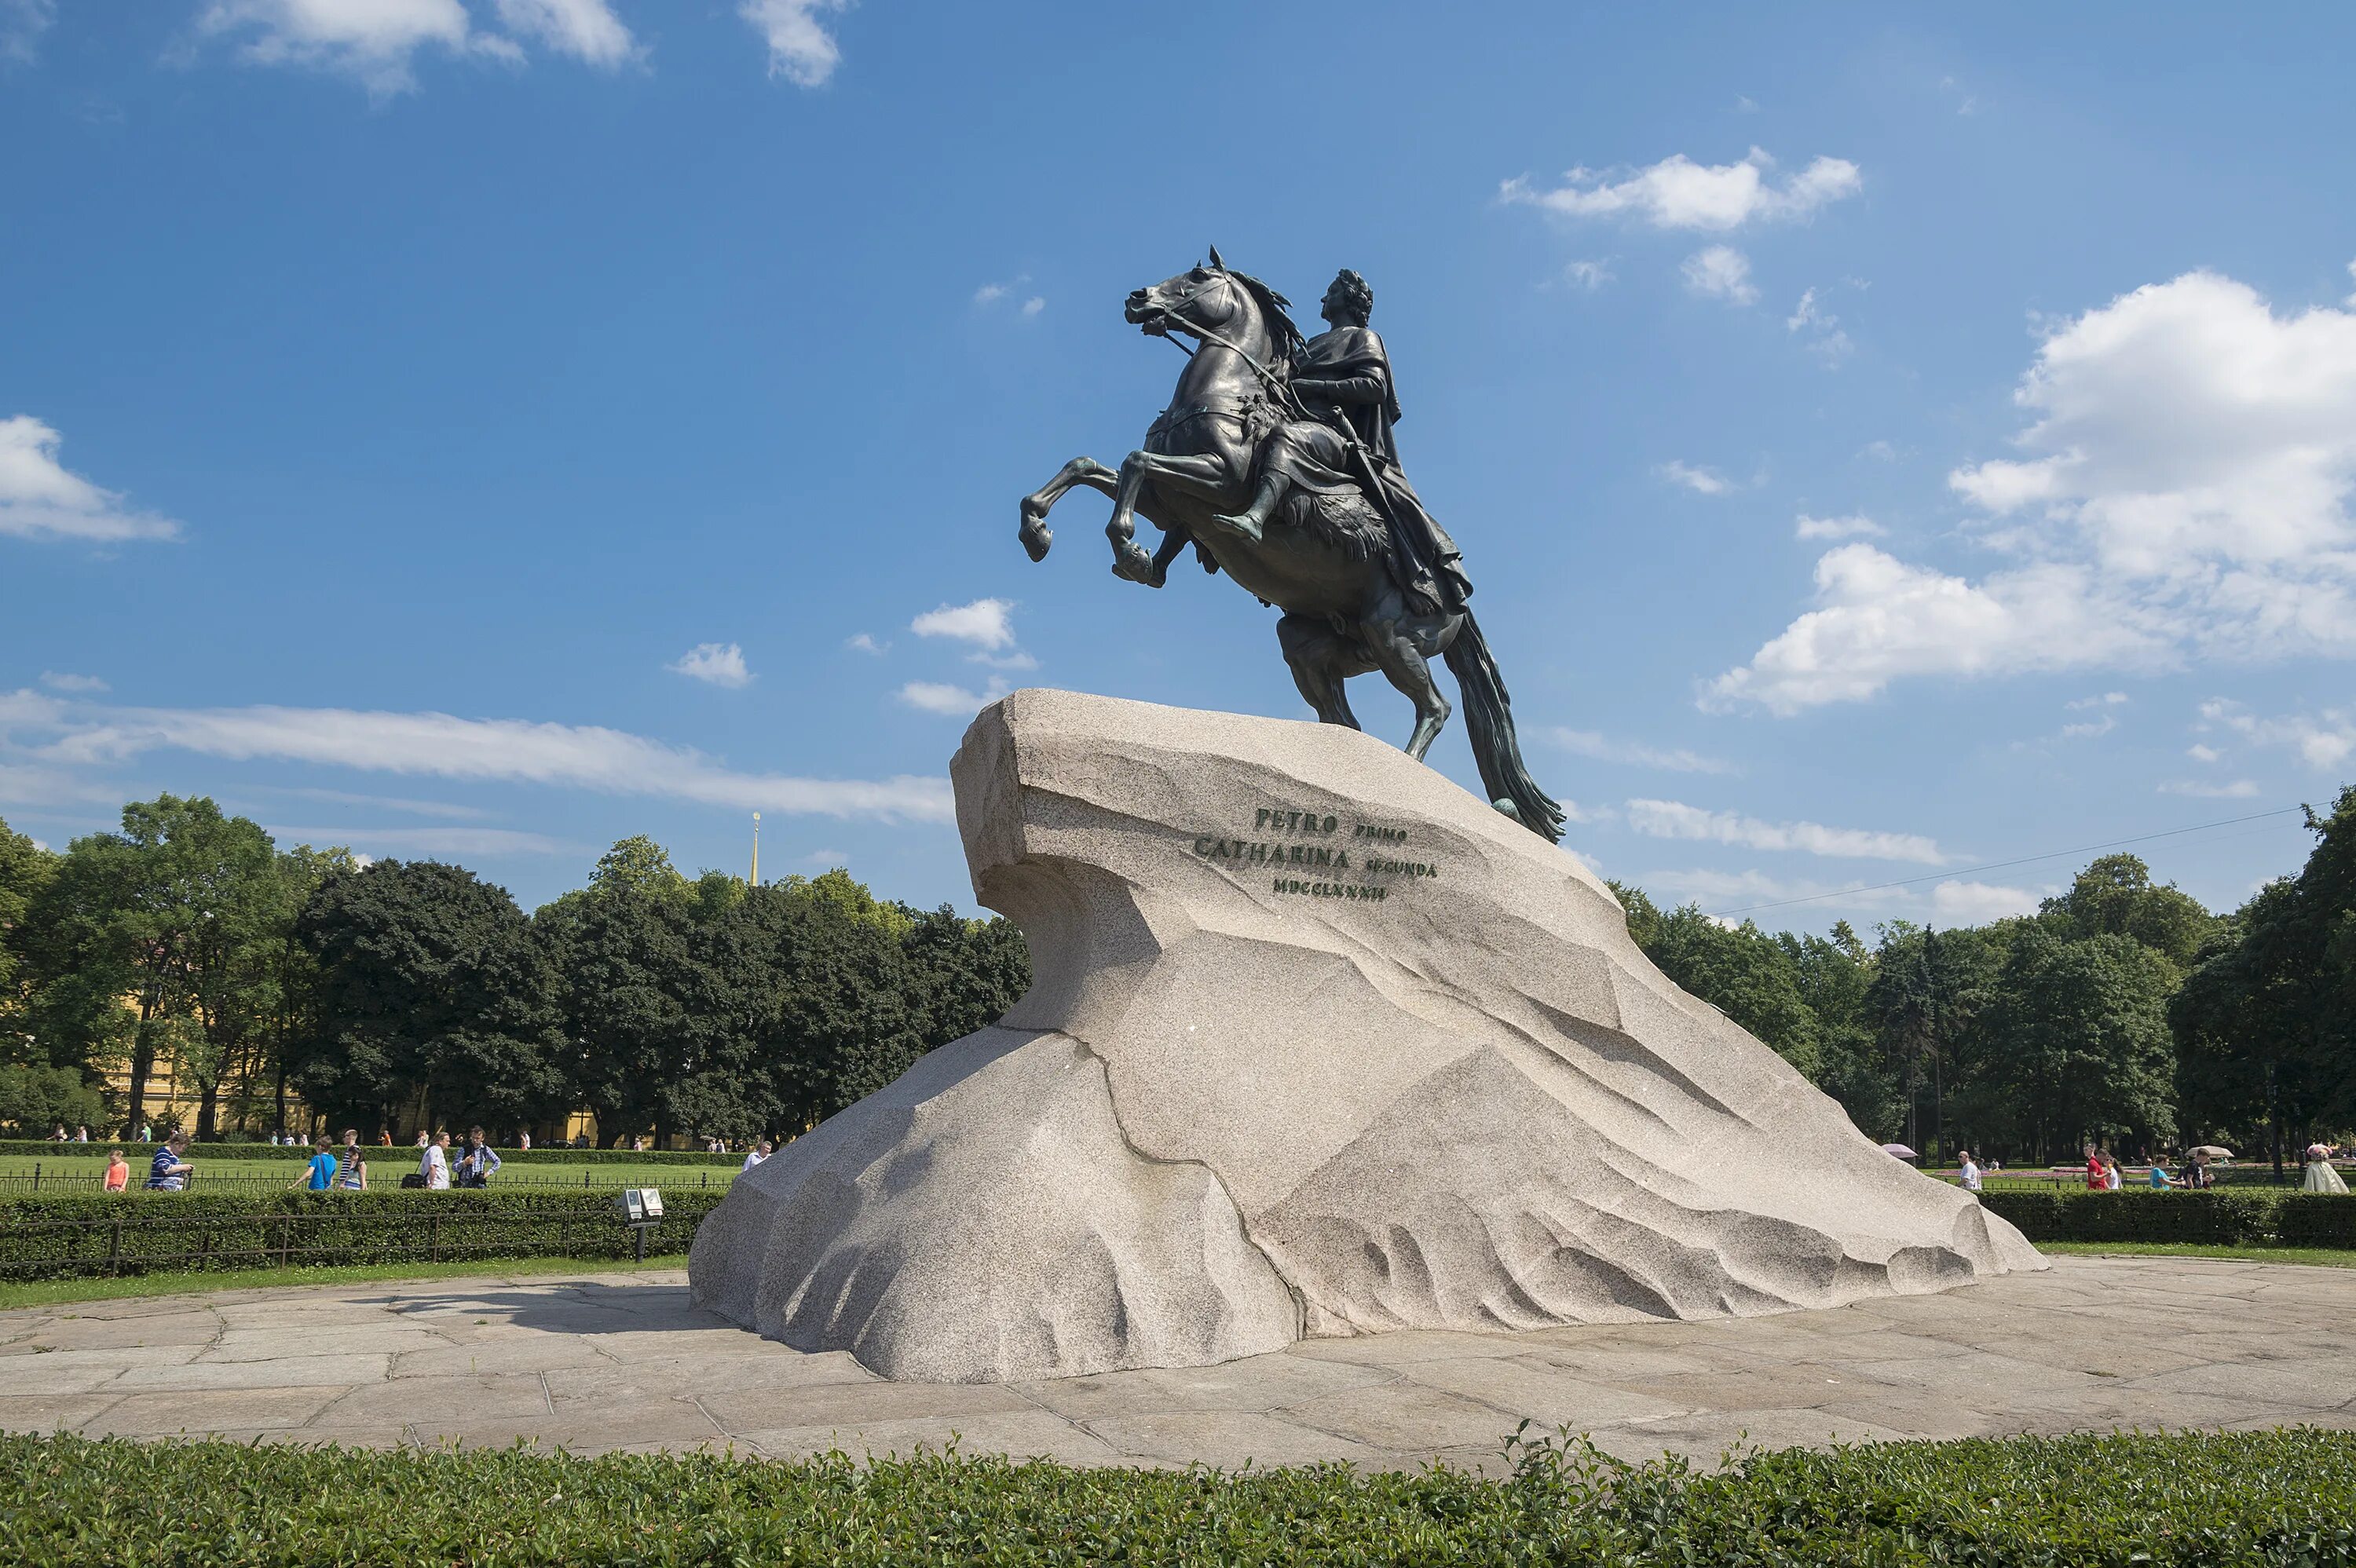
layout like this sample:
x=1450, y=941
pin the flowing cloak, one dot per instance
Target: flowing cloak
x=1345, y=376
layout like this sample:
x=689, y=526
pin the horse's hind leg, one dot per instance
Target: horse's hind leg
x=1320, y=666
x=1400, y=658
x=1035, y=533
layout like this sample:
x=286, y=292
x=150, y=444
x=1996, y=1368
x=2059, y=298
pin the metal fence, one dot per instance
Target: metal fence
x=80, y=1179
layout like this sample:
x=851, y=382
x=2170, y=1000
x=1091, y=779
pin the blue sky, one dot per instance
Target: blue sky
x=489, y=428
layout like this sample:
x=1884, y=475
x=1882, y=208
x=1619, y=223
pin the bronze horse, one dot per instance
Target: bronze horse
x=1326, y=566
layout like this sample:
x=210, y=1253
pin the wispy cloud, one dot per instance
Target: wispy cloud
x=518, y=751
x=1605, y=749
x=2239, y=789
x=1721, y=271
x=861, y=642
x=1674, y=819
x=22, y=23
x=2322, y=741
x=59, y=680
x=717, y=664
x=1808, y=528
x=1588, y=276
x=1701, y=481
x=800, y=48
x=985, y=623
x=380, y=843
x=40, y=498
x=1678, y=193
x=956, y=701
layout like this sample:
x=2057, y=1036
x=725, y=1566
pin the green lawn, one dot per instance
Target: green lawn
x=2328, y=1257
x=386, y=1167
x=65, y=1291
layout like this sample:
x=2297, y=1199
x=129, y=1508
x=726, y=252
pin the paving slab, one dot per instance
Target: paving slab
x=625, y=1363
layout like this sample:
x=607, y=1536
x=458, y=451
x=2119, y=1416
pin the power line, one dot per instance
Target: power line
x=2001, y=865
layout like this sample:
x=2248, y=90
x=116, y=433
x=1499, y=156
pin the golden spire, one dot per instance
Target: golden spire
x=756, y=849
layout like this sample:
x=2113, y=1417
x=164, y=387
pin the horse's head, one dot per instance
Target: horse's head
x=1204, y=295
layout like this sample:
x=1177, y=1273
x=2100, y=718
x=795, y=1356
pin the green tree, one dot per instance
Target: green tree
x=2076, y=1035
x=2115, y=896
x=435, y=1005
x=1745, y=973
x=25, y=869
x=2266, y=1023
x=623, y=956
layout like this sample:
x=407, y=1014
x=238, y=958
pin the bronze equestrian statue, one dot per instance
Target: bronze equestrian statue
x=1275, y=461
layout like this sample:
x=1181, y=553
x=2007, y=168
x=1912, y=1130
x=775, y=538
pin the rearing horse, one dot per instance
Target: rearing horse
x=1326, y=567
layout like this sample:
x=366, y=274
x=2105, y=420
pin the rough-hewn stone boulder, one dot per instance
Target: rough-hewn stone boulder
x=1318, y=1043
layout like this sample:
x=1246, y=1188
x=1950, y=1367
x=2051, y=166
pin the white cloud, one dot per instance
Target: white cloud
x=1588, y=276
x=378, y=802
x=990, y=293
x=586, y=29
x=2183, y=493
x=720, y=664
x=514, y=750
x=1034, y=305
x=370, y=39
x=1678, y=193
x=1721, y=271
x=2089, y=728
x=2350, y=300
x=986, y=623
x=2182, y=496
x=1976, y=903
x=826, y=859
x=935, y=697
x=1702, y=481
x=1673, y=819
x=800, y=48
x=1826, y=341
x=22, y=23
x=2107, y=699
x=2205, y=754
x=1808, y=528
x=2239, y=789
x=1018, y=660
x=2322, y=741
x=863, y=642
x=57, y=681
x=39, y=498
x=380, y=843
x=1603, y=748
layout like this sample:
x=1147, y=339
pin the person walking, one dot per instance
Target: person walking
x=2320, y=1176
x=433, y=1164
x=759, y=1152
x=523, y=1140
x=1970, y=1173
x=2094, y=1180
x=319, y=1170
x=118, y=1171
x=168, y=1172
x=478, y=1164
x=351, y=1169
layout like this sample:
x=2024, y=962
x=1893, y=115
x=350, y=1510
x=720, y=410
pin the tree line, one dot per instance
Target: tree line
x=2122, y=1012
x=410, y=994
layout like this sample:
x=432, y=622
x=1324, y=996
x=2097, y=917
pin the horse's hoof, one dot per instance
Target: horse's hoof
x=1036, y=536
x=1134, y=564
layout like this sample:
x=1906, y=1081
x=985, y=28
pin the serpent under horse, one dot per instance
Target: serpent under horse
x=1326, y=562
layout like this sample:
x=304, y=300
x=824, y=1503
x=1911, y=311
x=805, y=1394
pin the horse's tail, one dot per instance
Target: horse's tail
x=1489, y=721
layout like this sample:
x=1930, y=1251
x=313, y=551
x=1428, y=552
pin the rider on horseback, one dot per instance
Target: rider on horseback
x=1343, y=379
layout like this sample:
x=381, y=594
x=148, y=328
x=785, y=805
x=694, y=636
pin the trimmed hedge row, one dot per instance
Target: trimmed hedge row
x=2219, y=1217
x=57, y=1238
x=139, y=1153
x=2084, y=1501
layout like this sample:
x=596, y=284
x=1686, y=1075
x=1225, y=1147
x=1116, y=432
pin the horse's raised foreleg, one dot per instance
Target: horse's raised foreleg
x=1035, y=533
x=1401, y=659
x=1205, y=474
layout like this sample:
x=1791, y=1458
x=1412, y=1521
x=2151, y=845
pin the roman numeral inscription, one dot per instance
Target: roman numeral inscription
x=1373, y=856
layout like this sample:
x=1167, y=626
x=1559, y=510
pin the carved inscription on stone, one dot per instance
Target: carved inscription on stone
x=1359, y=861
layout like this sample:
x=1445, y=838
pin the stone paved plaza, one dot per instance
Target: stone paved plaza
x=599, y=1363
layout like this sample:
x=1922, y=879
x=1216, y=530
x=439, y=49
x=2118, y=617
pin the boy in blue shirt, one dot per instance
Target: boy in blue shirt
x=320, y=1174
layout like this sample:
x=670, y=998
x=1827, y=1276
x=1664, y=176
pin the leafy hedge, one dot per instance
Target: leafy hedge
x=2228, y=1498
x=54, y=1238
x=2219, y=1217
x=139, y=1153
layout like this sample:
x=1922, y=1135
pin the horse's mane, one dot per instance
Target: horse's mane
x=1274, y=310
